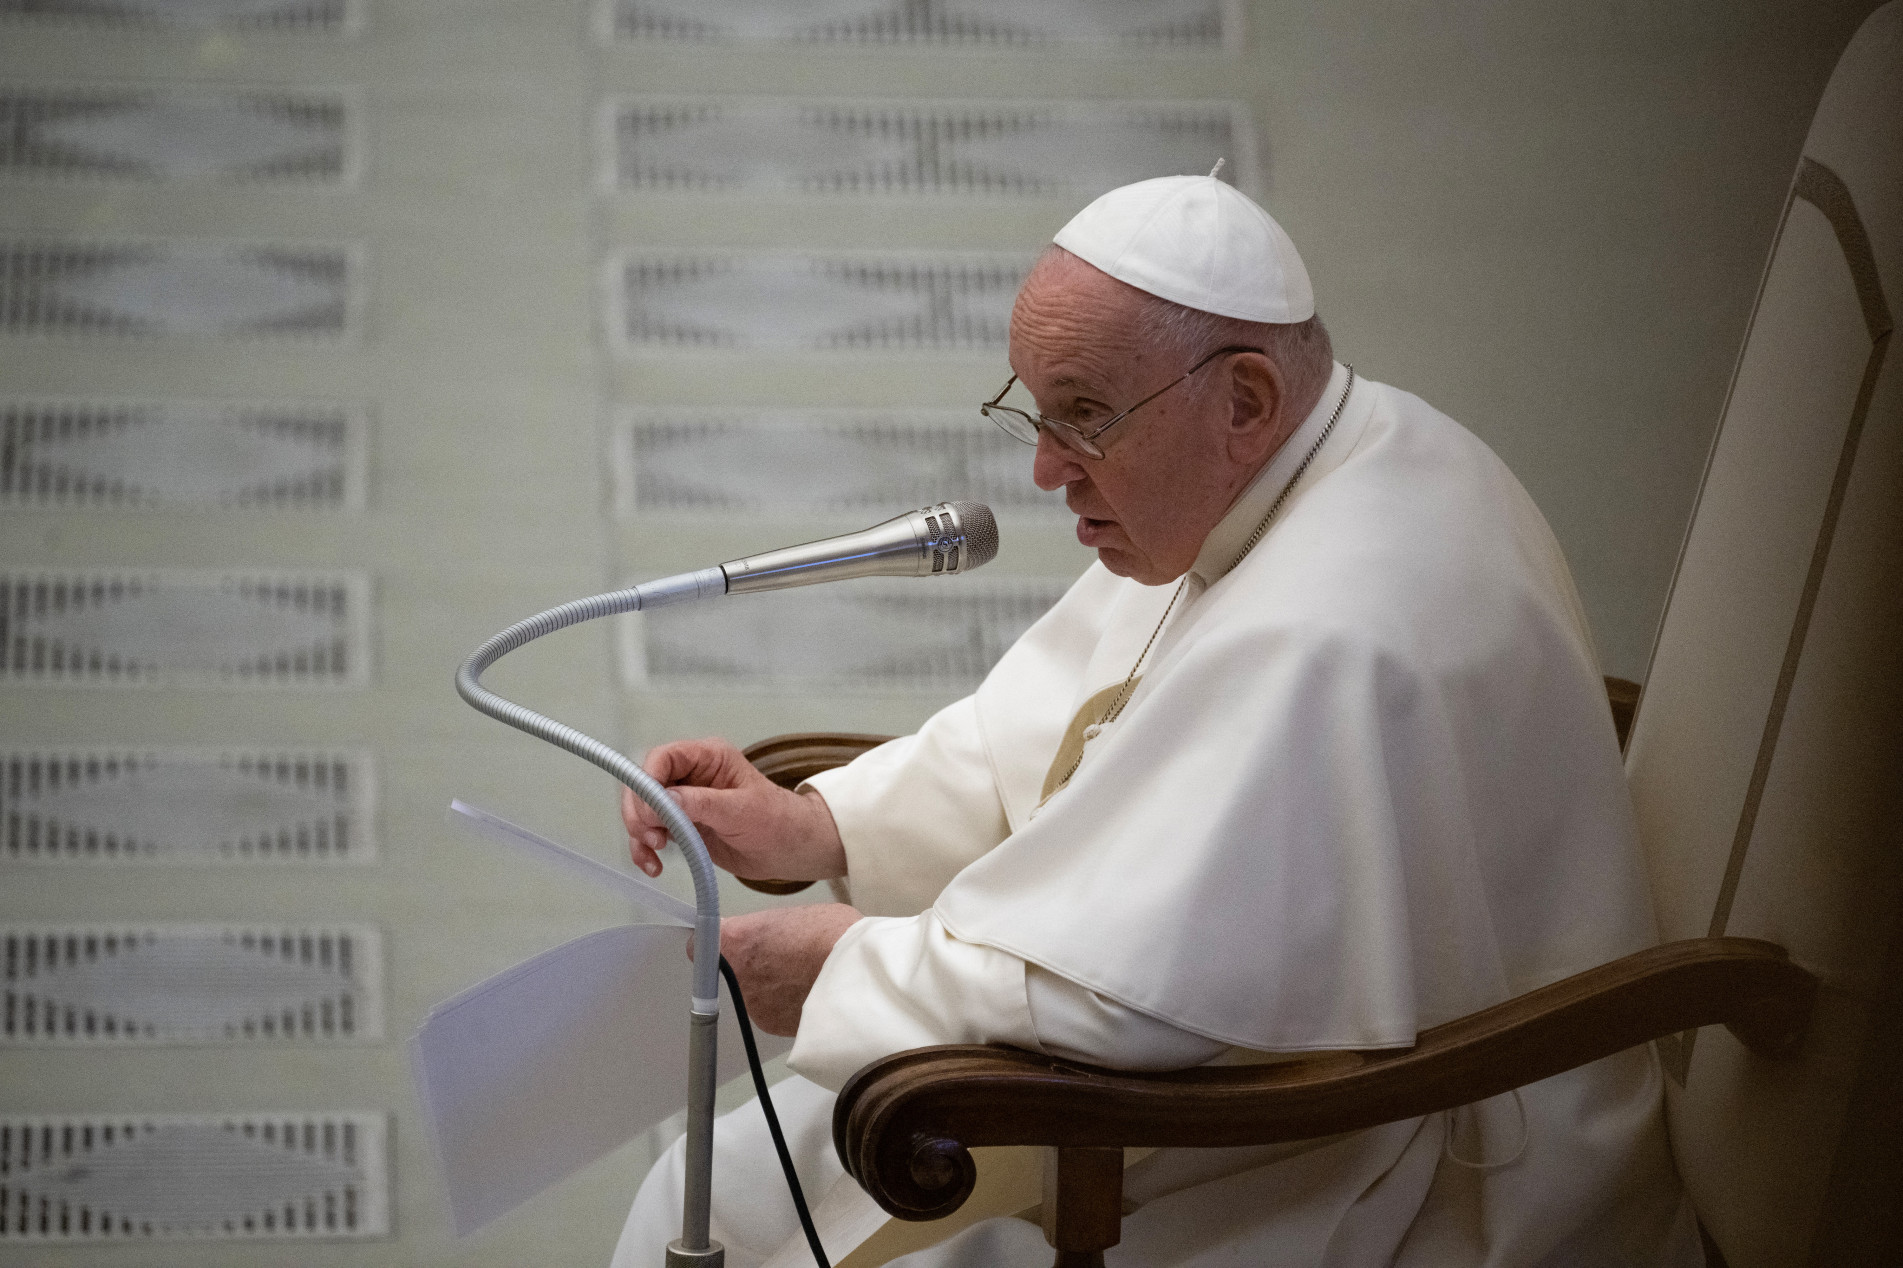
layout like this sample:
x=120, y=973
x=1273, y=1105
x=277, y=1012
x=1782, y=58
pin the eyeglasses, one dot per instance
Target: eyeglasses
x=1024, y=426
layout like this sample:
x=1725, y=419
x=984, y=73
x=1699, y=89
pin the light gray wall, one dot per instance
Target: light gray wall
x=1547, y=219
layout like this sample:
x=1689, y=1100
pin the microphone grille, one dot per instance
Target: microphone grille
x=980, y=530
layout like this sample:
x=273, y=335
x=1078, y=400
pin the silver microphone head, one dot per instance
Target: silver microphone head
x=977, y=532
x=940, y=540
x=958, y=536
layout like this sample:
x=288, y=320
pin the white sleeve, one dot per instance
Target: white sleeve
x=893, y=983
x=914, y=812
x=1076, y=1023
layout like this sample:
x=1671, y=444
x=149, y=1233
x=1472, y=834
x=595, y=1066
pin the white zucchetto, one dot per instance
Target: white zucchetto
x=1197, y=241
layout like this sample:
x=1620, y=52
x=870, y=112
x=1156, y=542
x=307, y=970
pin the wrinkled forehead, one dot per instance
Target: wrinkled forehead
x=1072, y=318
x=1060, y=277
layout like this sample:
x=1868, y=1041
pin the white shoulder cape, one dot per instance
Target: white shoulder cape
x=1368, y=782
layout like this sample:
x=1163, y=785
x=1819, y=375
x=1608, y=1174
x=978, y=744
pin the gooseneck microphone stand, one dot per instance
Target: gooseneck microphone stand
x=696, y=1248
x=946, y=539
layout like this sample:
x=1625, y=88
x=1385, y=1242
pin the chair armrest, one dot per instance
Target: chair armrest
x=904, y=1125
x=788, y=760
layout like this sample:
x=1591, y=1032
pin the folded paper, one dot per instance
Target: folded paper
x=634, y=888
x=547, y=1066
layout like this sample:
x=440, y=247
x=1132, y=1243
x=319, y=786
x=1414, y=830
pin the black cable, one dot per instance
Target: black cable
x=772, y=1119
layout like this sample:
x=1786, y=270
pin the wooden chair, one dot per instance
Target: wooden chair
x=1764, y=764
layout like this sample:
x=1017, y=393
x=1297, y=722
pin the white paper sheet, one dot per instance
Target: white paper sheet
x=637, y=889
x=547, y=1066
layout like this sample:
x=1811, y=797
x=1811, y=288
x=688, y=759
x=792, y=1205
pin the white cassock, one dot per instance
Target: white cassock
x=1367, y=783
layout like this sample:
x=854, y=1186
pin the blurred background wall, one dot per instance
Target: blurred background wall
x=337, y=334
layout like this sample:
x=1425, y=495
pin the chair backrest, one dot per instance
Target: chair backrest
x=1766, y=758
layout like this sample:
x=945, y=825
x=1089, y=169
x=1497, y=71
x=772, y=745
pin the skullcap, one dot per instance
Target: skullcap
x=1198, y=241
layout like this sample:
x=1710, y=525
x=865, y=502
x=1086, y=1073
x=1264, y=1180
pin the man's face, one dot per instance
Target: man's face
x=1166, y=476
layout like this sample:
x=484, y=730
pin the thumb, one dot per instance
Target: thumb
x=702, y=805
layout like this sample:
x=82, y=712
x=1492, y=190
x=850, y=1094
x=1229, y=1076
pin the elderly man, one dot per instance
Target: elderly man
x=1315, y=757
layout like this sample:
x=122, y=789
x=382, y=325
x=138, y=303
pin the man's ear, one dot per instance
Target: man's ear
x=1258, y=408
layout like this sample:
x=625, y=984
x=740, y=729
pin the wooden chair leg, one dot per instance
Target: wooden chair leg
x=1083, y=1204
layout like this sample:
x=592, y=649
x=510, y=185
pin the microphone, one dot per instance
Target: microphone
x=941, y=540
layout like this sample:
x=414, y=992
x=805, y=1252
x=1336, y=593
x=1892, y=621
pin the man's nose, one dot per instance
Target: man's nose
x=1056, y=463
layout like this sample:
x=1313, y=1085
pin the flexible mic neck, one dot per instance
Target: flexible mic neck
x=940, y=540
x=937, y=541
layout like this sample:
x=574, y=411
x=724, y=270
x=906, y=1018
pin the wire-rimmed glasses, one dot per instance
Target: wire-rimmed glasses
x=1021, y=425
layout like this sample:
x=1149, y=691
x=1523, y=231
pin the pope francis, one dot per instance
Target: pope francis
x=1314, y=757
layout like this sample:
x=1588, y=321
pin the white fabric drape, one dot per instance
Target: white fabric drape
x=1367, y=784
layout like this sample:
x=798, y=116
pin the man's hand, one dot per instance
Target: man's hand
x=777, y=955
x=752, y=826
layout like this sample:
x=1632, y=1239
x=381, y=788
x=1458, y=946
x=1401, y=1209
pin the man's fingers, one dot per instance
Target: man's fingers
x=654, y=840
x=646, y=837
x=714, y=813
x=636, y=815
x=643, y=851
x=693, y=762
x=702, y=806
x=698, y=804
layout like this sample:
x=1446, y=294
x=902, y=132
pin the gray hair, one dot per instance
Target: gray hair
x=1302, y=349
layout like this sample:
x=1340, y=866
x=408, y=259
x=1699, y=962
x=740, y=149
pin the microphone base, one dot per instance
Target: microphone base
x=678, y=1256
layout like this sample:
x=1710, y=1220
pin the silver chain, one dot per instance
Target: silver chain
x=1123, y=693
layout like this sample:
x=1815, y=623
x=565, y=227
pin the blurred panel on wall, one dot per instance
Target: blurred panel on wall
x=980, y=149
x=726, y=462
x=115, y=1179
x=186, y=805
